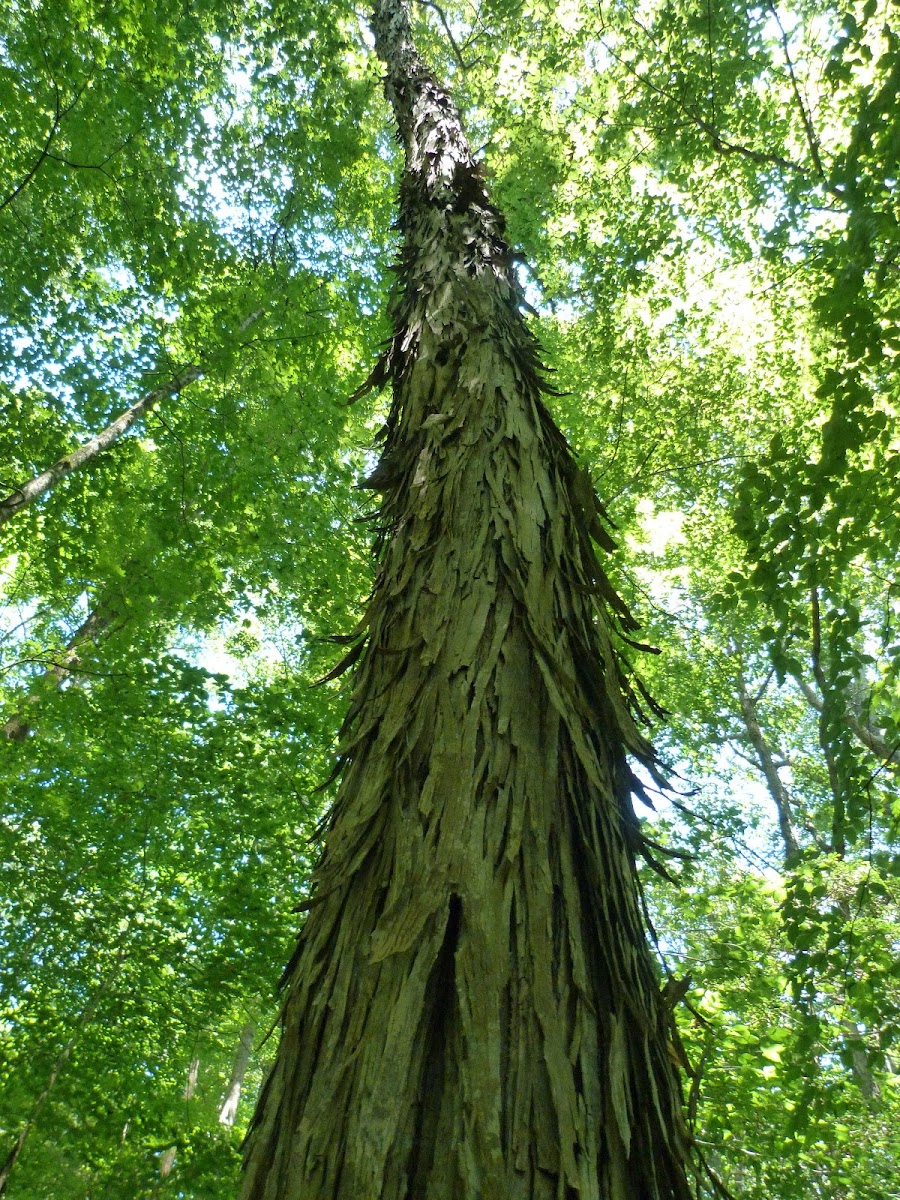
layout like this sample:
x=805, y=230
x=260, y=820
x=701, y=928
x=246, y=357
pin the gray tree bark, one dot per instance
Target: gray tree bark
x=472, y=1012
x=232, y=1098
x=36, y=487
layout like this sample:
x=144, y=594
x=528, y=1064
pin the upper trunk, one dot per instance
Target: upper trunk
x=472, y=1012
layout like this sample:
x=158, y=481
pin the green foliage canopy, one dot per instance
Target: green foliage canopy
x=705, y=200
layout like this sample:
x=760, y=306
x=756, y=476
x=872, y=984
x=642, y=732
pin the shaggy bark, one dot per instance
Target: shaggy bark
x=472, y=1012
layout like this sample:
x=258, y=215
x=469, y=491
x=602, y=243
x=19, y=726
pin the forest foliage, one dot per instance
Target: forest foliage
x=196, y=206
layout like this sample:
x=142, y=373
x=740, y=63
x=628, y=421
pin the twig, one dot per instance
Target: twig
x=811, y=138
x=442, y=17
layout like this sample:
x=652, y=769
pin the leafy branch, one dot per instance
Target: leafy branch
x=60, y=112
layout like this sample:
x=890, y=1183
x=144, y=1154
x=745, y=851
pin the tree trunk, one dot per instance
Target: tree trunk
x=228, y=1110
x=872, y=739
x=193, y=1075
x=40, y=484
x=859, y=1059
x=767, y=765
x=9, y=1163
x=17, y=727
x=472, y=1012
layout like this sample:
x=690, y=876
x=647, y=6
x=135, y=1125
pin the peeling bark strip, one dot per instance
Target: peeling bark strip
x=472, y=1012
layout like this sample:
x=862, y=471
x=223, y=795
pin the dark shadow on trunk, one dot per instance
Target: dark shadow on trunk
x=440, y=1005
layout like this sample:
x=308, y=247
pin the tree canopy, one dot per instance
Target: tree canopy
x=196, y=241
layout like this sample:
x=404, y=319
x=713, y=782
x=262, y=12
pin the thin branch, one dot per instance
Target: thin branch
x=811, y=138
x=762, y=158
x=36, y=487
x=39, y=485
x=76, y=166
x=709, y=58
x=764, y=686
x=699, y=1069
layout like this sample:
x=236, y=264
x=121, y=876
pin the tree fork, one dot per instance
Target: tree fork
x=472, y=1012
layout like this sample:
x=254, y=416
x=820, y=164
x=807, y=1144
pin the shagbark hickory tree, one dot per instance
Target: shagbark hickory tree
x=472, y=1011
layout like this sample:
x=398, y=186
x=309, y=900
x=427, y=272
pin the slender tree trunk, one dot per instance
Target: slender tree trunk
x=872, y=739
x=17, y=727
x=859, y=1059
x=228, y=1111
x=39, y=485
x=472, y=1012
x=193, y=1075
x=168, y=1156
x=766, y=760
x=59, y=1064
x=836, y=783
x=859, y=1062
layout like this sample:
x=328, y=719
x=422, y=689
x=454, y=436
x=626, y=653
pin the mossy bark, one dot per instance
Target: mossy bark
x=472, y=1012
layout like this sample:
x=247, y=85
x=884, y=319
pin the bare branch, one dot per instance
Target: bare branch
x=811, y=138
